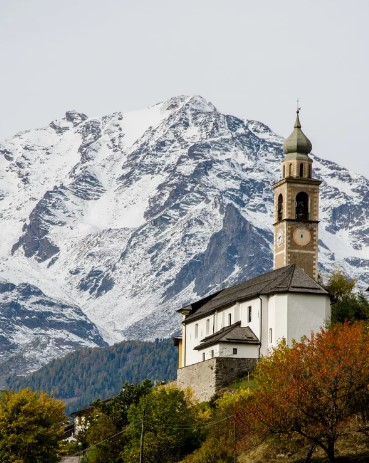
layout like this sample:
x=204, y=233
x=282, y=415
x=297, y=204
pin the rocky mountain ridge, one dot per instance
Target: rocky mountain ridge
x=127, y=217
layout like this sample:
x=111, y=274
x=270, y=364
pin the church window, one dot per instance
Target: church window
x=301, y=170
x=302, y=206
x=212, y=354
x=196, y=330
x=207, y=326
x=235, y=351
x=270, y=335
x=290, y=170
x=280, y=207
x=203, y=356
x=249, y=314
x=310, y=171
x=229, y=319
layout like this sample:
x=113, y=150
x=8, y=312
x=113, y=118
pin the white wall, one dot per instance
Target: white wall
x=225, y=350
x=255, y=315
x=191, y=355
x=292, y=316
x=222, y=317
x=276, y=321
x=217, y=321
x=192, y=340
x=243, y=350
x=306, y=313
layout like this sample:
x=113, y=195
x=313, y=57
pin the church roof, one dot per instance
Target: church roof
x=289, y=279
x=230, y=334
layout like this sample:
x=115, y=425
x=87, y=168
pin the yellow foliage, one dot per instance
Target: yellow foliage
x=229, y=400
x=31, y=426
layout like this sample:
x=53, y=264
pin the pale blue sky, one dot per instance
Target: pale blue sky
x=250, y=58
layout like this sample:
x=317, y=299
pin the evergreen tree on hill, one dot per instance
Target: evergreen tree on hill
x=348, y=306
x=89, y=374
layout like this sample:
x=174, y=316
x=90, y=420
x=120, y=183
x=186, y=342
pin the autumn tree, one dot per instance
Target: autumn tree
x=314, y=387
x=31, y=427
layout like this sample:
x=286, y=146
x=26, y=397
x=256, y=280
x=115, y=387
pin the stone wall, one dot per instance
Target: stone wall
x=206, y=378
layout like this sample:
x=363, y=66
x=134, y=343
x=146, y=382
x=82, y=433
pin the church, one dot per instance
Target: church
x=224, y=334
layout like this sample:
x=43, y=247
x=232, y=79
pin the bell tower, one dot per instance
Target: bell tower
x=296, y=206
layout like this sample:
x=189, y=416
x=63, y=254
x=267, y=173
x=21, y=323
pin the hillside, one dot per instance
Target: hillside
x=91, y=373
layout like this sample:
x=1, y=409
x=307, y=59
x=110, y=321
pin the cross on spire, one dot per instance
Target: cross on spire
x=298, y=105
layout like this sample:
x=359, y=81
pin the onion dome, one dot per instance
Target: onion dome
x=297, y=142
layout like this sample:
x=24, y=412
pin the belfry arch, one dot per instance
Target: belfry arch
x=280, y=208
x=302, y=206
x=301, y=169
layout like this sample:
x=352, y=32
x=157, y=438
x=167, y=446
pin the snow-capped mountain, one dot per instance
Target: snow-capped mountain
x=127, y=217
x=35, y=328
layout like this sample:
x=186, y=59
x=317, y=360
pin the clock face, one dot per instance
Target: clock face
x=301, y=236
x=279, y=237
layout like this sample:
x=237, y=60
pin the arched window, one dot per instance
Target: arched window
x=302, y=206
x=280, y=207
x=290, y=170
x=301, y=170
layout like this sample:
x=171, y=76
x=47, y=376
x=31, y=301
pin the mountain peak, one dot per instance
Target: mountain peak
x=194, y=101
x=71, y=119
x=75, y=117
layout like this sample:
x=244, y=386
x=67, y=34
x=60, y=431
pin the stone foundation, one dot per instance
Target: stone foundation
x=208, y=377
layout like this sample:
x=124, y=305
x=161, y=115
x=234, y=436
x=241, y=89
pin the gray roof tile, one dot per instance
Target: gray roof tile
x=230, y=334
x=290, y=279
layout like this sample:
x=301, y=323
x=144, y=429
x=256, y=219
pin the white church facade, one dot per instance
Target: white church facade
x=225, y=333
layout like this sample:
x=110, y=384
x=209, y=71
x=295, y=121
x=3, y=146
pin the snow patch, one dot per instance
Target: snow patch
x=135, y=123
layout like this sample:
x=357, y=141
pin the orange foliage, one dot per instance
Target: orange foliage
x=313, y=387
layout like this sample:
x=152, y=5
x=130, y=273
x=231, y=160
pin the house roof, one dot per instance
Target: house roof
x=289, y=279
x=230, y=334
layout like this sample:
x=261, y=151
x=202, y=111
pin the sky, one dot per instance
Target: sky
x=250, y=58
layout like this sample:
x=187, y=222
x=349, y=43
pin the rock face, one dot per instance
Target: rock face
x=238, y=244
x=130, y=216
x=35, y=328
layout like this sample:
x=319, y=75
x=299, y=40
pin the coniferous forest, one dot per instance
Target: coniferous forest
x=87, y=374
